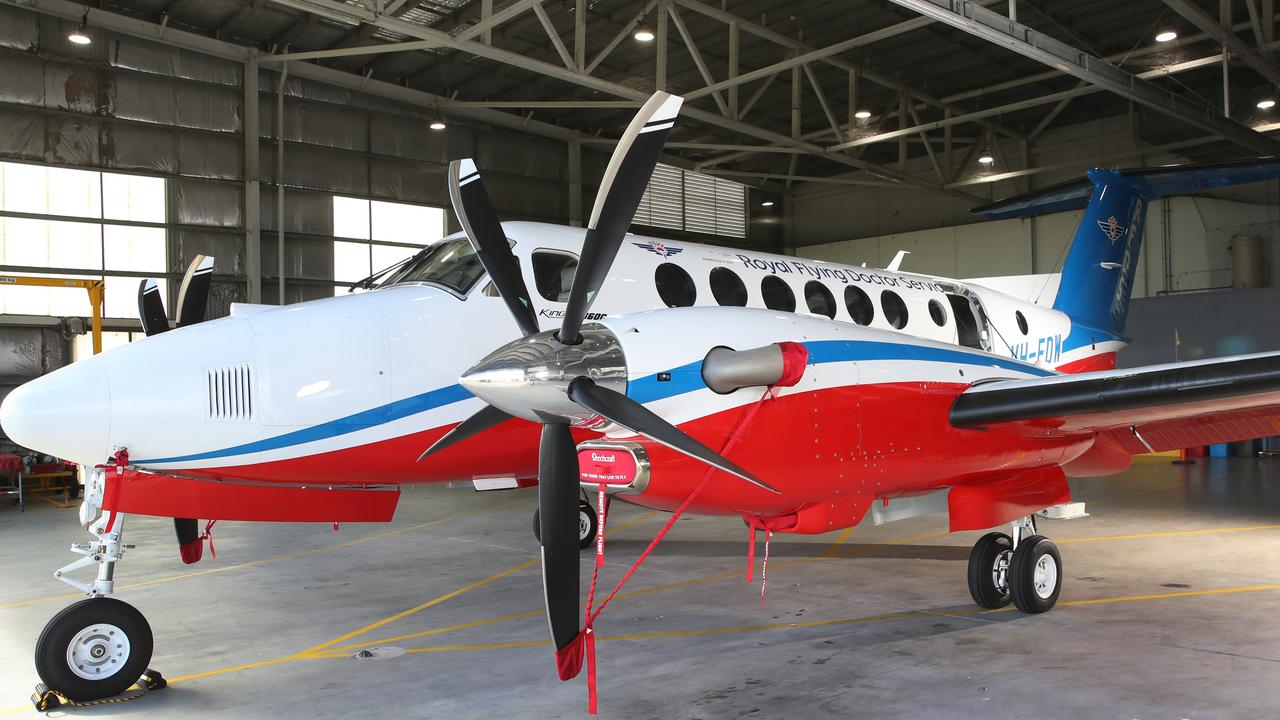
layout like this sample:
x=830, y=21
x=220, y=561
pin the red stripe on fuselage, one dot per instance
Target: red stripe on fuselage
x=860, y=441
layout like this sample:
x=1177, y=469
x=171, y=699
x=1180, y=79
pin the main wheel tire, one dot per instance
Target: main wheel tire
x=982, y=570
x=94, y=649
x=1035, y=575
x=587, y=525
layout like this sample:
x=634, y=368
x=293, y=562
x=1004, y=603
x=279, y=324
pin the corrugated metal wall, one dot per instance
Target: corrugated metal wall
x=138, y=106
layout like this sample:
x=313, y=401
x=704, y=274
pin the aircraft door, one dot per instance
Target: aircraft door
x=972, y=327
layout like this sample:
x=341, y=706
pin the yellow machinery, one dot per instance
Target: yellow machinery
x=96, y=288
x=97, y=295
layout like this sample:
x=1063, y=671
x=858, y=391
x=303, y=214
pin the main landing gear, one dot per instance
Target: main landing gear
x=1025, y=568
x=587, y=522
x=100, y=646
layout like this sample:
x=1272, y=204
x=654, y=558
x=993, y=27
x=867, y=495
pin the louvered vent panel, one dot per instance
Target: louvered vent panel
x=230, y=393
x=678, y=199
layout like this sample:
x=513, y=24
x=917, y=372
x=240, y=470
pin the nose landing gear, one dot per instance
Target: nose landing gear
x=100, y=646
x=1025, y=568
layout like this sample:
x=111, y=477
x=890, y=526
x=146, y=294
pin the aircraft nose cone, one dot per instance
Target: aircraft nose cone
x=65, y=413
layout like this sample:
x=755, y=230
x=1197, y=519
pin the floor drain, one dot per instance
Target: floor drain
x=381, y=652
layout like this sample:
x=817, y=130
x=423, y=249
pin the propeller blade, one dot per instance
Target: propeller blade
x=488, y=417
x=151, y=308
x=623, y=185
x=193, y=294
x=189, y=545
x=480, y=222
x=637, y=418
x=558, y=523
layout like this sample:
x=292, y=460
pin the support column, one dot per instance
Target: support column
x=252, y=209
x=575, y=183
x=733, y=69
x=579, y=35
x=284, y=74
x=660, y=37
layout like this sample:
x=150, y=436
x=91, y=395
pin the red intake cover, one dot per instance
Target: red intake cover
x=606, y=465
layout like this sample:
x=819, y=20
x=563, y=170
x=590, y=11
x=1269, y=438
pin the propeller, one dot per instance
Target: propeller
x=193, y=297
x=573, y=376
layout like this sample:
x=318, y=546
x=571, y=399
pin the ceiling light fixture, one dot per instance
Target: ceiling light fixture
x=1166, y=35
x=986, y=158
x=437, y=124
x=767, y=203
x=862, y=114
x=1266, y=104
x=81, y=34
x=644, y=34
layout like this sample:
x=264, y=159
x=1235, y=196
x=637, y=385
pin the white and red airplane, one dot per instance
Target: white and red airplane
x=816, y=391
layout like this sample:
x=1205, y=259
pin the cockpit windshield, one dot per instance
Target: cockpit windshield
x=451, y=263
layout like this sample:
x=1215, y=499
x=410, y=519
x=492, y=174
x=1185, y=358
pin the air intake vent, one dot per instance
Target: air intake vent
x=230, y=393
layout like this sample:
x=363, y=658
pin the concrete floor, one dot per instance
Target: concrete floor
x=1169, y=609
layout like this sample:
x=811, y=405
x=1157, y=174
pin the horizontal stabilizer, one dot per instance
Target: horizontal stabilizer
x=1153, y=183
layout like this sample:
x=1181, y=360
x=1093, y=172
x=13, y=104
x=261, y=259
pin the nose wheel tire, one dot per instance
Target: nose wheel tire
x=988, y=569
x=1035, y=575
x=587, y=525
x=94, y=649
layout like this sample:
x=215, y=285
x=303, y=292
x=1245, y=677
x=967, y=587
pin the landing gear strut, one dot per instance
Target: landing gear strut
x=1024, y=567
x=97, y=647
x=587, y=523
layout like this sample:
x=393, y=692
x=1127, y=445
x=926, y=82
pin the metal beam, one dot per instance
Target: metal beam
x=252, y=198
x=692, y=47
x=999, y=30
x=373, y=49
x=554, y=36
x=1226, y=38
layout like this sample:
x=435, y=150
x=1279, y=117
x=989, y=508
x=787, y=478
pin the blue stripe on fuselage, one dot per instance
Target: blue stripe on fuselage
x=684, y=379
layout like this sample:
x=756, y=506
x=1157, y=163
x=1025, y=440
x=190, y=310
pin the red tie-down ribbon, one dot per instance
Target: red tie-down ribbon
x=569, y=659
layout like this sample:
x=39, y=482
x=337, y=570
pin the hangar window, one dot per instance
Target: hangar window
x=727, y=287
x=1022, y=321
x=675, y=287
x=819, y=299
x=372, y=235
x=777, y=294
x=859, y=305
x=937, y=313
x=678, y=199
x=553, y=273
x=895, y=311
x=80, y=223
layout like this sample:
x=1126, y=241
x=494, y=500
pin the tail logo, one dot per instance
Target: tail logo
x=1112, y=228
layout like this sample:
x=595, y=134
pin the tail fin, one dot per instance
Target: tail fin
x=1097, y=277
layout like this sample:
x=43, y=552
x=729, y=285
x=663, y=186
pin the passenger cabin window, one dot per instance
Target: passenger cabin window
x=819, y=299
x=727, y=287
x=777, y=294
x=937, y=313
x=859, y=305
x=895, y=311
x=675, y=287
x=553, y=274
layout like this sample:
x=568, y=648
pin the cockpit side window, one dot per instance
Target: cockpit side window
x=452, y=264
x=553, y=273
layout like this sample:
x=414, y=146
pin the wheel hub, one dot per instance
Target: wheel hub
x=584, y=525
x=98, y=652
x=1045, y=576
x=1000, y=573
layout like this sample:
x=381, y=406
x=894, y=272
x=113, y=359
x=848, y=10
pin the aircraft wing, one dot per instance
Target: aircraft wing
x=1153, y=408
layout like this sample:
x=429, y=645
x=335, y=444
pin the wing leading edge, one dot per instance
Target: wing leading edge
x=1214, y=390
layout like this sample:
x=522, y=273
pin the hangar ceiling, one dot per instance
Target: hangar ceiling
x=773, y=86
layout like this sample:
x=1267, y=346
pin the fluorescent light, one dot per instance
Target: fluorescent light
x=1266, y=104
x=437, y=124
x=767, y=203
x=644, y=34
x=862, y=114
x=1166, y=36
x=986, y=158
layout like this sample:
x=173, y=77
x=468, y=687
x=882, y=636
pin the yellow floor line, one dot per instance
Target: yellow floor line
x=420, y=607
